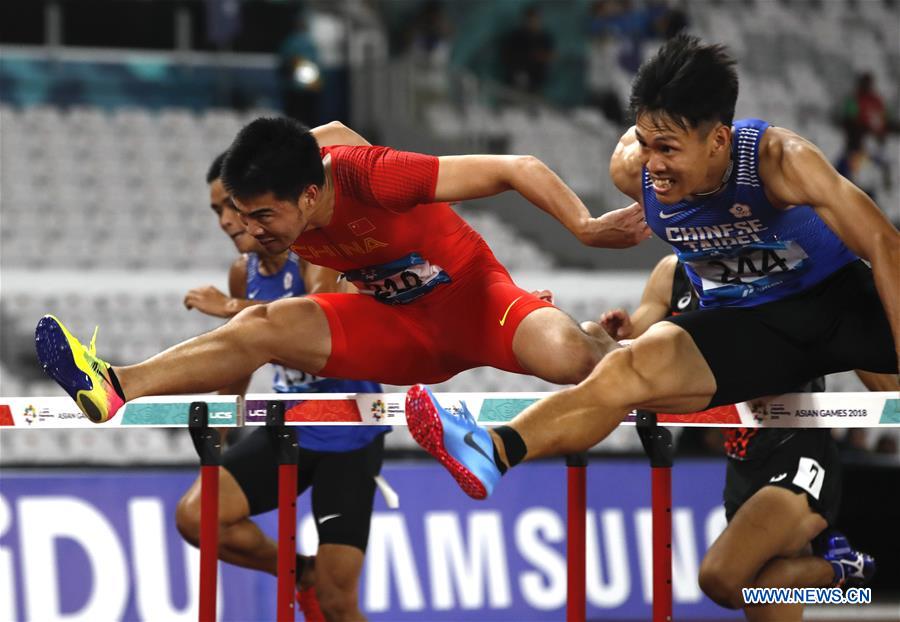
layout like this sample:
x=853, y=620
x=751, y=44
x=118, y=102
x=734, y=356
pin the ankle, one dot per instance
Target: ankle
x=306, y=571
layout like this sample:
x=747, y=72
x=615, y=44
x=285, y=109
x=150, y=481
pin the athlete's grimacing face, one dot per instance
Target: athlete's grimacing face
x=229, y=219
x=273, y=223
x=681, y=162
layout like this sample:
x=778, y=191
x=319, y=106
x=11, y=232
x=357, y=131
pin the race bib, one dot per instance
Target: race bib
x=294, y=381
x=398, y=282
x=753, y=269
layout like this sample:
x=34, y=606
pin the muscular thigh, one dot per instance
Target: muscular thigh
x=774, y=522
x=662, y=370
x=294, y=330
x=253, y=468
x=487, y=317
x=343, y=494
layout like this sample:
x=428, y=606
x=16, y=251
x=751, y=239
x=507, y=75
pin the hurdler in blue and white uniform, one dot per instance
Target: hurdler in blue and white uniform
x=740, y=250
x=339, y=463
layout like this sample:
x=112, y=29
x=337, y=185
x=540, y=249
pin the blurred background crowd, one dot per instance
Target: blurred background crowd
x=111, y=111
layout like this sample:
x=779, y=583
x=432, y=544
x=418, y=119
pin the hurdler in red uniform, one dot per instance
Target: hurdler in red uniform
x=432, y=300
x=436, y=301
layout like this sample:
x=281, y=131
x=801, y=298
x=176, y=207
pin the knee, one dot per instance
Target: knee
x=578, y=355
x=717, y=584
x=616, y=382
x=187, y=520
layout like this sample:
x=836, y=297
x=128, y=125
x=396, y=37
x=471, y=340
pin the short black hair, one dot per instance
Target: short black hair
x=688, y=83
x=273, y=154
x=215, y=169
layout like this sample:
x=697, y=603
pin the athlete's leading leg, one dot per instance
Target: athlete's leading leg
x=765, y=545
x=293, y=332
x=662, y=370
x=551, y=345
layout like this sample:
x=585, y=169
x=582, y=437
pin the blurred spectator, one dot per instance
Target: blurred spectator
x=527, y=52
x=427, y=36
x=299, y=74
x=604, y=43
x=864, y=110
x=427, y=44
x=622, y=28
x=853, y=445
x=861, y=164
x=887, y=444
x=666, y=21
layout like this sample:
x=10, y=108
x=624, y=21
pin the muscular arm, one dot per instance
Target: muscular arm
x=625, y=166
x=653, y=308
x=212, y=301
x=467, y=177
x=336, y=133
x=795, y=172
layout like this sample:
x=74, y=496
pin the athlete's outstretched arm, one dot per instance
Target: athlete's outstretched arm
x=653, y=308
x=795, y=172
x=212, y=301
x=461, y=178
x=336, y=133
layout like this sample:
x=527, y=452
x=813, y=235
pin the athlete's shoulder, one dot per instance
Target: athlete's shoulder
x=625, y=166
x=783, y=156
x=353, y=153
x=239, y=265
x=237, y=277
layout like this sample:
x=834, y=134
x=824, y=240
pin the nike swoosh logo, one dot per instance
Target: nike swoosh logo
x=503, y=319
x=778, y=478
x=328, y=517
x=253, y=294
x=665, y=216
x=469, y=440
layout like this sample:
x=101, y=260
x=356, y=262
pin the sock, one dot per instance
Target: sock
x=500, y=466
x=513, y=444
x=115, y=382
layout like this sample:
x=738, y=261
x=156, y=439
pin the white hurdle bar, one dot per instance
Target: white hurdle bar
x=199, y=413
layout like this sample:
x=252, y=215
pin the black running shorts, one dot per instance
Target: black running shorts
x=343, y=484
x=807, y=462
x=836, y=325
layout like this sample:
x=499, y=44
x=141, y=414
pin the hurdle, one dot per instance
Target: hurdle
x=201, y=412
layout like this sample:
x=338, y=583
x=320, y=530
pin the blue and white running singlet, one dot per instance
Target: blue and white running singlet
x=738, y=249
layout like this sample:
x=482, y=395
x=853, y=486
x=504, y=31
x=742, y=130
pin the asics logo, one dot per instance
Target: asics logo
x=469, y=439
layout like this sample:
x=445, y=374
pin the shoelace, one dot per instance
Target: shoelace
x=93, y=348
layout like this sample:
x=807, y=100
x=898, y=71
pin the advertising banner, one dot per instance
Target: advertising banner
x=103, y=545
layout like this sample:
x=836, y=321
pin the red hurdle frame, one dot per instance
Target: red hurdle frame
x=209, y=448
x=657, y=443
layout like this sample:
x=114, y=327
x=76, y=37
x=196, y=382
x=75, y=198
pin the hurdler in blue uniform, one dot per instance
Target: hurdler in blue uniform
x=773, y=237
x=339, y=463
x=285, y=283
